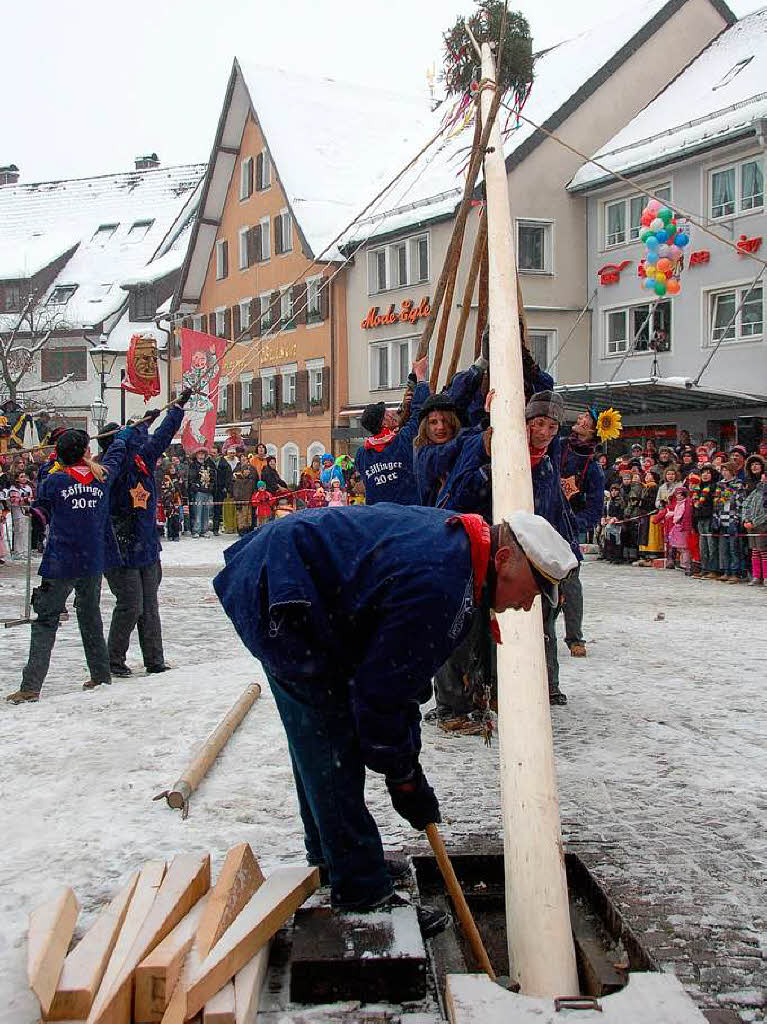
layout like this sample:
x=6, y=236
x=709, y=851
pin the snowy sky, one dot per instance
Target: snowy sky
x=90, y=85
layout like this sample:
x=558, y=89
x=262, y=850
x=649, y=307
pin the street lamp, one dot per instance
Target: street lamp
x=103, y=362
x=98, y=413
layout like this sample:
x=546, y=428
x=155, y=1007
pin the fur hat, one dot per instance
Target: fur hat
x=546, y=403
x=71, y=446
x=372, y=417
x=754, y=458
x=109, y=429
x=436, y=403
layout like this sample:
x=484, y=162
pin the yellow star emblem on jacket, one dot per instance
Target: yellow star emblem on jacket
x=139, y=495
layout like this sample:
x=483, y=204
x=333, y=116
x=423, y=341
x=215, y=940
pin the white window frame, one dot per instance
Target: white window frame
x=266, y=171
x=133, y=233
x=392, y=345
x=266, y=238
x=244, y=305
x=739, y=289
x=631, y=231
x=315, y=448
x=269, y=387
x=289, y=374
x=551, y=335
x=313, y=285
x=290, y=451
x=374, y=287
x=197, y=323
x=287, y=317
x=548, y=245
x=739, y=210
x=220, y=243
x=271, y=450
x=242, y=248
x=265, y=299
x=220, y=321
x=626, y=309
x=221, y=400
x=287, y=231
x=413, y=245
x=389, y=252
x=246, y=388
x=244, y=194
x=314, y=368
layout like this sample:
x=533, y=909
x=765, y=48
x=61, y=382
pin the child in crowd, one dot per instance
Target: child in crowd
x=693, y=485
x=650, y=533
x=337, y=496
x=668, y=485
x=20, y=494
x=613, y=530
x=357, y=491
x=703, y=518
x=315, y=498
x=754, y=514
x=681, y=528
x=728, y=501
x=262, y=503
x=170, y=500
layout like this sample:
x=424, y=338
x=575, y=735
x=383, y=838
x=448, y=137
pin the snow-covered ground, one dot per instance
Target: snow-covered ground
x=661, y=756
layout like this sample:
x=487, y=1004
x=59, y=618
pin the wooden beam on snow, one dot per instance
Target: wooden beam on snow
x=84, y=967
x=277, y=899
x=187, y=879
x=158, y=973
x=248, y=983
x=238, y=880
x=51, y=927
x=219, y=1009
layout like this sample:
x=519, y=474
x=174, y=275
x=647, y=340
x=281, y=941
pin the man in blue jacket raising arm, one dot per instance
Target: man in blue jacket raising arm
x=73, y=499
x=350, y=612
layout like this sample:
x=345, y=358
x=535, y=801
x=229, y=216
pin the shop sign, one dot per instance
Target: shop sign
x=408, y=313
x=700, y=257
x=610, y=273
x=664, y=433
x=745, y=244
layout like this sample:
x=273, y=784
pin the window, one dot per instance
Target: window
x=242, y=248
x=749, y=321
x=313, y=307
x=61, y=294
x=289, y=388
x=197, y=323
x=399, y=265
x=403, y=363
x=542, y=347
x=315, y=448
x=268, y=390
x=10, y=298
x=286, y=308
x=244, y=314
x=223, y=389
x=629, y=330
x=737, y=189
x=734, y=70
x=56, y=363
x=263, y=171
x=246, y=392
x=265, y=238
x=419, y=259
x=104, y=232
x=534, y=246
x=222, y=260
x=220, y=322
x=379, y=366
x=623, y=217
x=283, y=232
x=268, y=315
x=377, y=276
x=391, y=361
x=246, y=178
x=139, y=230
x=290, y=464
x=315, y=386
x=143, y=303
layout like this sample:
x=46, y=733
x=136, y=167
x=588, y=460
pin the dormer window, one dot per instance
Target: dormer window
x=104, y=232
x=61, y=294
x=139, y=230
x=734, y=71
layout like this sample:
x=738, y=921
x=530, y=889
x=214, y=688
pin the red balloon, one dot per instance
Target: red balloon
x=646, y=219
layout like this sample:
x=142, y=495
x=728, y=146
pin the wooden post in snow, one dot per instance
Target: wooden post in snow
x=541, y=950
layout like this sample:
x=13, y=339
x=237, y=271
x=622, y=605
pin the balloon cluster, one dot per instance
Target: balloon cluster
x=664, y=240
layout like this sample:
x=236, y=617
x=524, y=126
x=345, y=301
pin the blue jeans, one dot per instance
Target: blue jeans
x=201, y=509
x=729, y=555
x=709, y=547
x=329, y=772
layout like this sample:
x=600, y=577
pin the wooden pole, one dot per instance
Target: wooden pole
x=481, y=303
x=480, y=248
x=541, y=952
x=178, y=795
x=447, y=307
x=459, y=901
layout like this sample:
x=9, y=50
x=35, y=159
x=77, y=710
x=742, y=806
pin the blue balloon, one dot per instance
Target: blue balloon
x=651, y=258
x=662, y=236
x=652, y=243
x=681, y=240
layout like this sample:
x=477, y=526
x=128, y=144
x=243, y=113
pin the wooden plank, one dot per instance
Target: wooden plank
x=649, y=998
x=157, y=974
x=219, y=1009
x=239, y=879
x=248, y=983
x=51, y=927
x=84, y=967
x=175, y=1012
x=187, y=879
x=279, y=897
x=147, y=887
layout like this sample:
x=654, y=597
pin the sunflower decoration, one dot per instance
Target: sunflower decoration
x=609, y=425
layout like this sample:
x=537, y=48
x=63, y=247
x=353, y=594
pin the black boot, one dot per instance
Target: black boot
x=557, y=698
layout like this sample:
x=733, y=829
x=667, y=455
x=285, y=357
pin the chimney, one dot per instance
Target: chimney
x=146, y=163
x=9, y=175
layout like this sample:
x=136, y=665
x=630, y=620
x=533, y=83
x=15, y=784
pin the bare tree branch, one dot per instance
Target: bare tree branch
x=36, y=388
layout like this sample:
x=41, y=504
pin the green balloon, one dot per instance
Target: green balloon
x=644, y=234
x=665, y=214
x=660, y=287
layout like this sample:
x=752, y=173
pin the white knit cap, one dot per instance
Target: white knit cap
x=549, y=554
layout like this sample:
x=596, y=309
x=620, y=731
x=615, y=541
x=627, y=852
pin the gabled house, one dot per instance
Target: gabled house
x=700, y=145
x=294, y=160
x=584, y=90
x=76, y=259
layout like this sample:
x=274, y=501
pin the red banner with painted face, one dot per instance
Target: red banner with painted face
x=200, y=371
x=142, y=375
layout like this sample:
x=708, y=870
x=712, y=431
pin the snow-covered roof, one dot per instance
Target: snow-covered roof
x=715, y=100
x=157, y=269
x=565, y=75
x=121, y=221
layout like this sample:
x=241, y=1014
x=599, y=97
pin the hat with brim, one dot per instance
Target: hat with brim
x=546, y=403
x=550, y=557
x=436, y=403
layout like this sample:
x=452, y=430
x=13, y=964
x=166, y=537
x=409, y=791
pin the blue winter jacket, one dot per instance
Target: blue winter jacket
x=81, y=541
x=591, y=482
x=143, y=548
x=388, y=474
x=371, y=599
x=548, y=499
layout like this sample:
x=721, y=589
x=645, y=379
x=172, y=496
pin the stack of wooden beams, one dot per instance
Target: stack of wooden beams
x=168, y=948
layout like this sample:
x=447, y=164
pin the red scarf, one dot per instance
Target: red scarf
x=536, y=456
x=141, y=464
x=478, y=533
x=80, y=473
x=380, y=441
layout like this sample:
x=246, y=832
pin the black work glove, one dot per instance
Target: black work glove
x=184, y=397
x=412, y=381
x=485, y=343
x=150, y=415
x=414, y=799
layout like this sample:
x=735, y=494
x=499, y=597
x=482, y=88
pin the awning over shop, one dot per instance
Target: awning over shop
x=655, y=394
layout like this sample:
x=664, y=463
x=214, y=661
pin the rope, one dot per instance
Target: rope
x=733, y=318
x=573, y=329
x=639, y=330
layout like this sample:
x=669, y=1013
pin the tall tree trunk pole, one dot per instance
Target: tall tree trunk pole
x=481, y=302
x=480, y=248
x=541, y=950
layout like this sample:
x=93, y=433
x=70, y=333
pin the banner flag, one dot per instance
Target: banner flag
x=142, y=375
x=200, y=370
